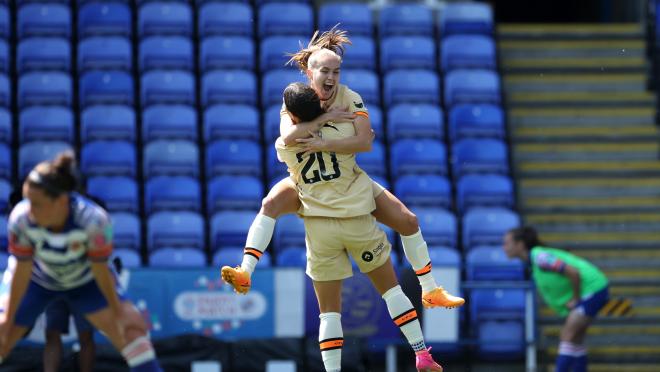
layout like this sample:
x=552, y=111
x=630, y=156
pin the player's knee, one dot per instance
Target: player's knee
x=270, y=207
x=410, y=224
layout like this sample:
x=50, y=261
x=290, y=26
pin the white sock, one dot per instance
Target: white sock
x=331, y=340
x=261, y=231
x=138, y=352
x=417, y=253
x=405, y=317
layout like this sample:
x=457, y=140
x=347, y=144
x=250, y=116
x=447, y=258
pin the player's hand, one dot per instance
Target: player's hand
x=572, y=303
x=312, y=144
x=338, y=115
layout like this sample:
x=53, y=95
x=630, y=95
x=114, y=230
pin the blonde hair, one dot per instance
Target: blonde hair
x=332, y=40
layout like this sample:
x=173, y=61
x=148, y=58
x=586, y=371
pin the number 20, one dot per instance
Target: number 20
x=319, y=173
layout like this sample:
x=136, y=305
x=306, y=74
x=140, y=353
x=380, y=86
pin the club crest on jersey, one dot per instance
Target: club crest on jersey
x=76, y=245
x=358, y=104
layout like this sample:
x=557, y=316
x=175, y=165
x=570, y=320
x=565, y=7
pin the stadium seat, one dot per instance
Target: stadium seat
x=231, y=122
x=43, y=53
x=487, y=190
x=360, y=54
x=424, y=190
x=227, y=52
x=479, y=156
x=5, y=240
x=46, y=123
x=129, y=259
x=275, y=169
x=444, y=257
x=6, y=162
x=181, y=229
x=439, y=226
x=285, y=19
x=376, y=120
x=120, y=194
x=5, y=22
x=419, y=156
x=273, y=51
x=230, y=228
x=467, y=18
x=471, y=86
x=127, y=231
x=171, y=158
x=168, y=87
x=5, y=192
x=420, y=120
x=177, y=122
x=467, y=51
x=107, y=122
x=172, y=194
x=5, y=91
x=476, y=120
x=105, y=19
x=31, y=154
x=407, y=52
x=273, y=83
x=234, y=192
x=5, y=57
x=289, y=233
x=227, y=19
x=46, y=19
x=234, y=255
x=177, y=258
x=353, y=17
x=491, y=263
x=108, y=158
x=381, y=181
x=487, y=226
x=406, y=19
x=365, y=82
x=44, y=88
x=105, y=53
x=233, y=157
x=292, y=257
x=229, y=86
x=500, y=340
x=6, y=126
x=165, y=18
x=166, y=52
x=272, y=123
x=415, y=86
x=373, y=162
x=106, y=87
x=497, y=304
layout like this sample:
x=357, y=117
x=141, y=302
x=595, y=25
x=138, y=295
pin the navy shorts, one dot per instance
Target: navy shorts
x=590, y=306
x=57, y=317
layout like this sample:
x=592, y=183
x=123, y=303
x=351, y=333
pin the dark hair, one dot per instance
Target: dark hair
x=302, y=101
x=333, y=40
x=55, y=177
x=527, y=235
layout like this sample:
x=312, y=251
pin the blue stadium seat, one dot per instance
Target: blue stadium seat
x=120, y=194
x=106, y=87
x=5, y=22
x=234, y=255
x=180, y=229
x=275, y=170
x=285, y=19
x=471, y=86
x=227, y=52
x=476, y=120
x=166, y=52
x=6, y=162
x=165, y=18
x=105, y=19
x=417, y=86
x=406, y=19
x=361, y=54
x=46, y=123
x=376, y=120
x=168, y=87
x=497, y=304
x=409, y=120
x=479, y=156
x=230, y=228
x=491, y=263
x=31, y=154
x=233, y=157
x=467, y=51
x=105, y=53
x=467, y=18
x=172, y=193
x=273, y=83
x=111, y=122
x=5, y=191
x=229, y=86
x=5, y=57
x=487, y=226
x=381, y=180
x=445, y=257
x=373, y=162
x=108, y=158
x=420, y=156
x=289, y=233
x=439, y=226
x=177, y=258
x=171, y=158
x=407, y=52
x=5, y=91
x=272, y=123
x=484, y=190
x=292, y=257
x=43, y=53
x=3, y=245
x=232, y=18
x=6, y=126
x=234, y=192
x=365, y=82
x=231, y=122
x=44, y=88
x=130, y=259
x=47, y=19
x=127, y=231
x=273, y=51
x=353, y=17
x=500, y=340
x=424, y=190
x=169, y=122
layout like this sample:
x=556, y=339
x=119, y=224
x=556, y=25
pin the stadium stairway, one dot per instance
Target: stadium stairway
x=586, y=151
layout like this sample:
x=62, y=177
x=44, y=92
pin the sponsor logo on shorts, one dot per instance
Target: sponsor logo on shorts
x=379, y=250
x=367, y=256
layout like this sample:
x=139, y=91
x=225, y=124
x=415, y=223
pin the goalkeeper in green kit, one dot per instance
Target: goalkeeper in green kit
x=570, y=285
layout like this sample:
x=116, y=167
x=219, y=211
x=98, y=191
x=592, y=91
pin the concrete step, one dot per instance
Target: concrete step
x=575, y=64
x=614, y=168
x=580, y=98
x=594, y=220
x=595, y=82
x=558, y=48
x=602, y=151
x=619, y=367
x=566, y=132
x=618, y=353
x=579, y=239
x=531, y=117
x=590, y=31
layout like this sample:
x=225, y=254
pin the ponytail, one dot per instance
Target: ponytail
x=332, y=40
